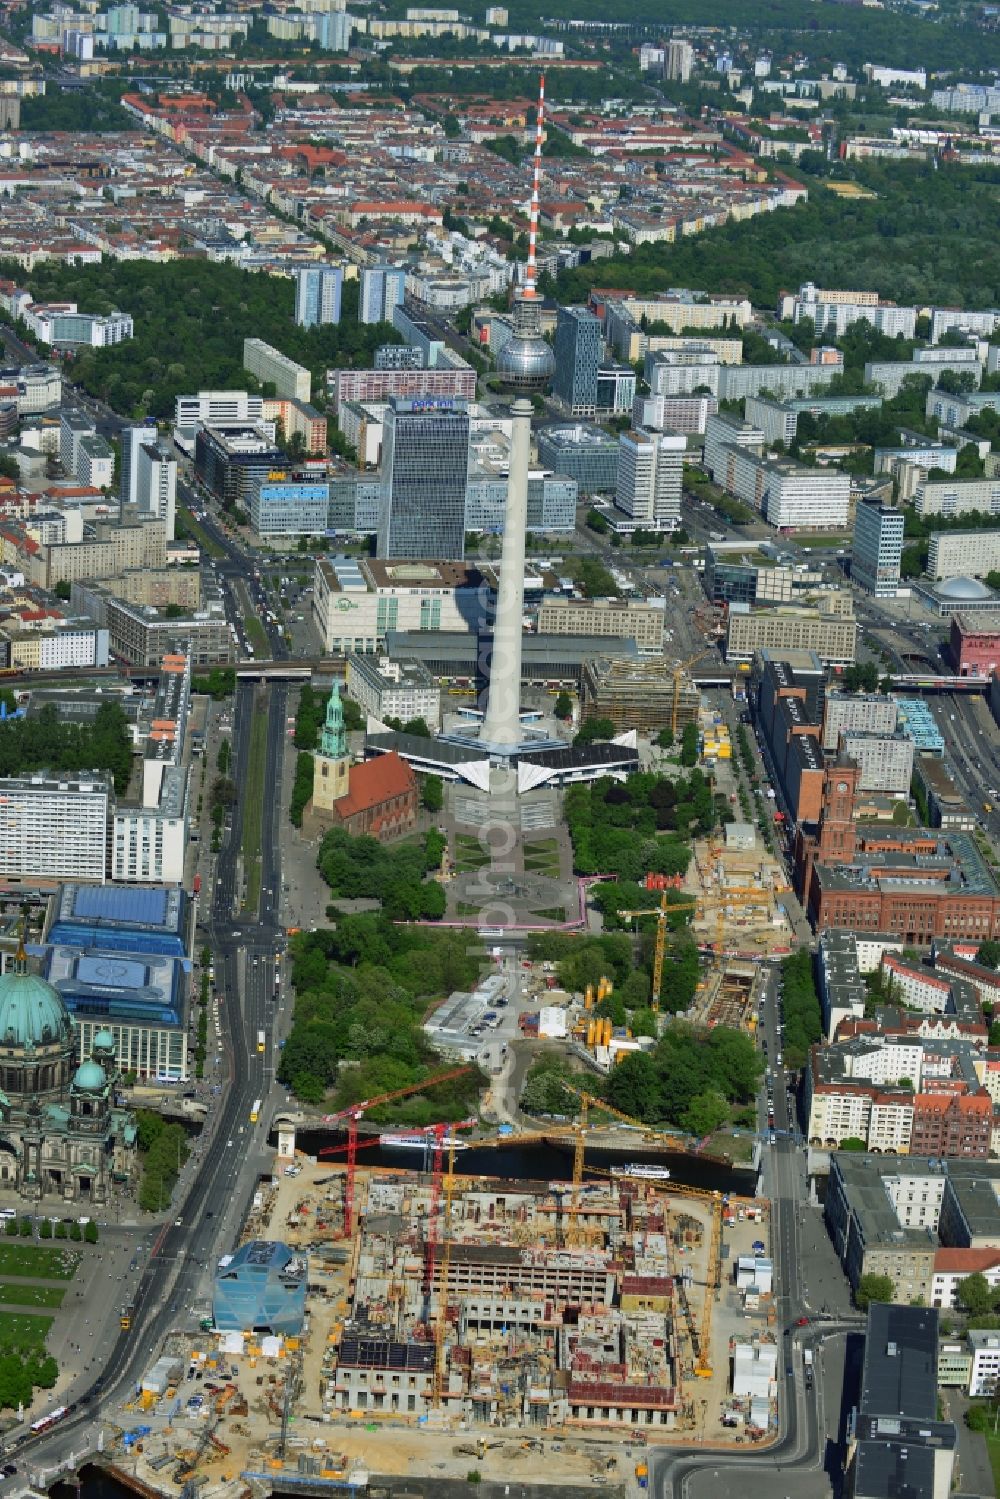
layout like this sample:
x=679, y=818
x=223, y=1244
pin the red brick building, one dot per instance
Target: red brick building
x=952, y=1124
x=918, y=885
x=383, y=800
x=975, y=644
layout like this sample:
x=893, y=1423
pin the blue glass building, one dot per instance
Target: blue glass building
x=261, y=1289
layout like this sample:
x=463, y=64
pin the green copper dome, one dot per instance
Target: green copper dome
x=90, y=1077
x=104, y=1041
x=31, y=1012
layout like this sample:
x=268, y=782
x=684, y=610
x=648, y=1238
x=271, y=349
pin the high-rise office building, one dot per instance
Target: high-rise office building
x=679, y=61
x=317, y=294
x=578, y=349
x=382, y=289
x=877, y=554
x=148, y=475
x=650, y=472
x=425, y=467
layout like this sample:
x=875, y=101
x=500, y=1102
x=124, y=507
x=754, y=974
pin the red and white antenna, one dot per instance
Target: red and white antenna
x=529, y=273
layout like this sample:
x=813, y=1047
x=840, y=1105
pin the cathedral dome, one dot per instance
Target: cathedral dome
x=31, y=1012
x=90, y=1077
x=104, y=1041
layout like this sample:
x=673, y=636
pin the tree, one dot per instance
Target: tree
x=988, y=955
x=665, y=739
x=975, y=1295
x=705, y=1113
x=873, y=1288
x=689, y=745
x=852, y=1143
x=432, y=793
x=564, y=706
x=62, y=589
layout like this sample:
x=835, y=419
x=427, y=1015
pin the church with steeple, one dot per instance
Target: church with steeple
x=378, y=799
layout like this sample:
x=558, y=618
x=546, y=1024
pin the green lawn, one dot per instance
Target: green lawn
x=21, y=1330
x=253, y=809
x=551, y=913
x=197, y=533
x=257, y=636
x=23, y=1295
x=37, y=1261
x=470, y=854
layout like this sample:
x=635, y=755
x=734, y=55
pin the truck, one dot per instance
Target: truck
x=807, y=1357
x=260, y=1041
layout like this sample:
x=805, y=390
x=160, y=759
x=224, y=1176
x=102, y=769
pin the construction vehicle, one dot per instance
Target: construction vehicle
x=357, y=1111
x=125, y=1317
x=661, y=913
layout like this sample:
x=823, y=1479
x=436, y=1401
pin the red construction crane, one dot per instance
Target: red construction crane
x=356, y=1111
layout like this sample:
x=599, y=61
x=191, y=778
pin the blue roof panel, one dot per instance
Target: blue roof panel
x=113, y=903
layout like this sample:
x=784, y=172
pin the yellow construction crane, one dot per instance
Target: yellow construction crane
x=661, y=912
x=703, y=1368
x=743, y=895
x=441, y=1321
x=590, y=1099
x=679, y=671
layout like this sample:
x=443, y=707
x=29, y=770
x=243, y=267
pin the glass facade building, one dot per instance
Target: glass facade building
x=290, y=507
x=261, y=1288
x=382, y=289
x=581, y=452
x=425, y=468
x=578, y=350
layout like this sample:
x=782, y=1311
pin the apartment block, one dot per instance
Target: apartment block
x=885, y=760
x=456, y=382
x=877, y=552
x=957, y=554
x=950, y=497
x=832, y=637
x=272, y=367
x=650, y=473
x=724, y=431
x=624, y=619
x=660, y=413
x=850, y=713
x=54, y=827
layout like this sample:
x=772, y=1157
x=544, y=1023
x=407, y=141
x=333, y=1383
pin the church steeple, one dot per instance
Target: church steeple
x=333, y=742
x=332, y=763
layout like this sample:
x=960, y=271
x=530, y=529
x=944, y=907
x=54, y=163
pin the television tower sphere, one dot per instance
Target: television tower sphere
x=526, y=362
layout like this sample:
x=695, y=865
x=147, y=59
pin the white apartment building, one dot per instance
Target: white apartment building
x=673, y=413
x=156, y=484
x=722, y=432
x=885, y=1062
x=891, y=1124
x=95, y=463
x=985, y=1347
x=886, y=760
x=54, y=828
x=840, y=1114
x=270, y=365
x=958, y=320
x=951, y=1266
x=920, y=988
x=956, y=554
x=680, y=372
x=774, y=419
x=834, y=312
x=218, y=408
x=957, y=496
x=788, y=495
x=55, y=648
x=650, y=474
x=867, y=713
x=148, y=843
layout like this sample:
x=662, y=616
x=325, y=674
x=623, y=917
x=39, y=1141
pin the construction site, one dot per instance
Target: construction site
x=455, y=1323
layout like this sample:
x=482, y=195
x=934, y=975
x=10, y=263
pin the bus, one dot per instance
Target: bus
x=255, y=1111
x=44, y=1422
x=260, y=1041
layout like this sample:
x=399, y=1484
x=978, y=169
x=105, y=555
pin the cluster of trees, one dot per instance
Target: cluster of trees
x=361, y=994
x=48, y=743
x=220, y=683
x=592, y=577
x=94, y=110
x=543, y=1091
x=364, y=869
x=21, y=1377
x=690, y=1081
x=164, y=1149
x=803, y=1017
x=617, y=827
x=583, y=961
x=191, y=317
x=925, y=236
x=864, y=676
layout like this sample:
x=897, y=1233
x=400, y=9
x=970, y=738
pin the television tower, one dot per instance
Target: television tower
x=525, y=364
